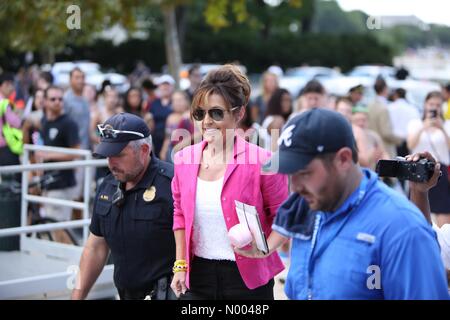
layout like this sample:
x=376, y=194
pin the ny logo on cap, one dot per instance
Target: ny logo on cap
x=286, y=136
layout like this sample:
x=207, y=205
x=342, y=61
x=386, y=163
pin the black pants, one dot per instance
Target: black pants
x=221, y=280
x=159, y=291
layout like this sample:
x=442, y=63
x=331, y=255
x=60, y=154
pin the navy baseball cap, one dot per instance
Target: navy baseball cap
x=304, y=137
x=118, y=131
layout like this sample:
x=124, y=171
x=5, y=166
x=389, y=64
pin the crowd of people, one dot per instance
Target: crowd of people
x=164, y=206
x=385, y=127
x=47, y=114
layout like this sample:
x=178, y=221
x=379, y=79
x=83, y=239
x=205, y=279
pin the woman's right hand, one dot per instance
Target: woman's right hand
x=250, y=251
x=427, y=123
x=432, y=122
x=178, y=284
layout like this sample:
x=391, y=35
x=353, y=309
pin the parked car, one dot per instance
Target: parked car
x=204, y=69
x=92, y=70
x=372, y=71
x=416, y=90
x=295, y=79
x=364, y=75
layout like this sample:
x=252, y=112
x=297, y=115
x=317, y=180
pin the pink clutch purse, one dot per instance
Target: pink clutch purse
x=240, y=235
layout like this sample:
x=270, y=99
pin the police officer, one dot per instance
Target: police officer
x=133, y=215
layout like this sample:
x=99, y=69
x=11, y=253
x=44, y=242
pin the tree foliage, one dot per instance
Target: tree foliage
x=42, y=24
x=252, y=31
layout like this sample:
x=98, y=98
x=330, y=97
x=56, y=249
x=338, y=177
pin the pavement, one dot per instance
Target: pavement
x=278, y=290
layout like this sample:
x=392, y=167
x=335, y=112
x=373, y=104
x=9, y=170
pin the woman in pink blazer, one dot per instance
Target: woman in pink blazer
x=209, y=177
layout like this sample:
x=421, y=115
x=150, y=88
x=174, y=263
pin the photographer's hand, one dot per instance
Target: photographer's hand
x=427, y=185
x=419, y=190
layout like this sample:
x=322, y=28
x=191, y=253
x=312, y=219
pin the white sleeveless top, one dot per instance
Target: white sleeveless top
x=210, y=235
x=433, y=141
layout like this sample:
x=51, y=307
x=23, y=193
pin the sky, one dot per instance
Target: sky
x=429, y=11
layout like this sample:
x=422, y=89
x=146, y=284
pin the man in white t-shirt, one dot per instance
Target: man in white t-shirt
x=401, y=113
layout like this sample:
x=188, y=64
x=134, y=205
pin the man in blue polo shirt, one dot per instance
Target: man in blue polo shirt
x=353, y=237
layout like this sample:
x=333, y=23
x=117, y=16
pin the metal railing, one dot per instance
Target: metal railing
x=88, y=163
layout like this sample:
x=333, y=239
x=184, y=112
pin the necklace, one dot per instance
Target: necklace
x=205, y=163
x=208, y=161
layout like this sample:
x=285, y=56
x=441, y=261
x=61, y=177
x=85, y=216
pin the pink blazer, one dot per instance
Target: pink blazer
x=243, y=181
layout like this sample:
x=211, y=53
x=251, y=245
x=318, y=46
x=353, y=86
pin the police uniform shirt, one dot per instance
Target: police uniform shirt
x=139, y=232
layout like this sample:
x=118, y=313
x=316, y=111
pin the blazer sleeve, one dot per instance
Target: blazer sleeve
x=274, y=188
x=178, y=216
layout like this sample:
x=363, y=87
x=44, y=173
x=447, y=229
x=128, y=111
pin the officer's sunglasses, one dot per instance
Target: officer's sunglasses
x=109, y=133
x=216, y=114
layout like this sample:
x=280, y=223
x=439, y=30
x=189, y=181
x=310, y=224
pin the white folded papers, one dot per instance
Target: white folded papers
x=248, y=215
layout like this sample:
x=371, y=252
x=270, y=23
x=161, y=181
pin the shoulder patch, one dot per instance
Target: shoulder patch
x=104, y=197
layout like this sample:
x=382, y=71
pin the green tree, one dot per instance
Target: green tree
x=329, y=18
x=41, y=25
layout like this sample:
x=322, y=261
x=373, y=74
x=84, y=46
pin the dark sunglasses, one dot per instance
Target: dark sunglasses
x=216, y=114
x=53, y=99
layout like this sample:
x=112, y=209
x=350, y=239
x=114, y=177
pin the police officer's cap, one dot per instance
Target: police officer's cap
x=118, y=131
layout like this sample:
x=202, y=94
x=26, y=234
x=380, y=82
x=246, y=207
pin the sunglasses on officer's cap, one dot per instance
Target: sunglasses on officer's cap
x=108, y=132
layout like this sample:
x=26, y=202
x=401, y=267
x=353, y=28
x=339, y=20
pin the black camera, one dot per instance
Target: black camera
x=433, y=114
x=420, y=171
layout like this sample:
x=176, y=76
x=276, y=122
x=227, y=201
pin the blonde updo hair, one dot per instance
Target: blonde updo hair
x=227, y=81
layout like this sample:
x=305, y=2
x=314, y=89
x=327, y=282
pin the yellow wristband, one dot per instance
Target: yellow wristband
x=176, y=269
x=180, y=263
